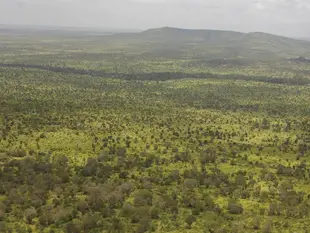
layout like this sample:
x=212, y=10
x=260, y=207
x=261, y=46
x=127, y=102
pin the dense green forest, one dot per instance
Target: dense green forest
x=134, y=133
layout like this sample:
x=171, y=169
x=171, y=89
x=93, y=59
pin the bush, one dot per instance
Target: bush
x=190, y=183
x=234, y=208
x=267, y=226
x=116, y=226
x=154, y=212
x=144, y=225
x=30, y=214
x=127, y=210
x=75, y=226
x=2, y=213
x=143, y=198
x=190, y=219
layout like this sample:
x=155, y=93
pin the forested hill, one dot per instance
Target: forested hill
x=228, y=44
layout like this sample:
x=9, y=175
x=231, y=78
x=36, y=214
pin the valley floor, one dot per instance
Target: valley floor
x=132, y=142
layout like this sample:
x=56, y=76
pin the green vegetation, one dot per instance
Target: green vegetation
x=98, y=134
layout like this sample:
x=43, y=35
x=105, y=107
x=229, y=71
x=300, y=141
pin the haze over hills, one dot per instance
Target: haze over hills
x=221, y=44
x=304, y=38
x=74, y=31
x=177, y=43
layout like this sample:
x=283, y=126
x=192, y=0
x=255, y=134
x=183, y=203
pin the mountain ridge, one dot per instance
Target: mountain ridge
x=184, y=30
x=222, y=43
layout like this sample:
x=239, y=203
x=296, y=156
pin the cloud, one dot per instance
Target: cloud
x=149, y=1
x=260, y=6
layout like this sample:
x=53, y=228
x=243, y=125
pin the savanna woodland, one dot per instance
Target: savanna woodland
x=167, y=130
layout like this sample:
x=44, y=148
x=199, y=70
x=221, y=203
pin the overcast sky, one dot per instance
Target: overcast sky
x=286, y=17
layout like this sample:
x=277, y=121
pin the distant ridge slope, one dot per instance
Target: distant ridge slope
x=192, y=34
x=222, y=44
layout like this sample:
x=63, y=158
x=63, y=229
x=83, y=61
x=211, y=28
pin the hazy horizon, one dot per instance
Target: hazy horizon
x=282, y=17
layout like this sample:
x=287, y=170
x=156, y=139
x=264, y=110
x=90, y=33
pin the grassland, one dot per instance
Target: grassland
x=104, y=135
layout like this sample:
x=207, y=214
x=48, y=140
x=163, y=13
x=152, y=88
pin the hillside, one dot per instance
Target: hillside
x=216, y=43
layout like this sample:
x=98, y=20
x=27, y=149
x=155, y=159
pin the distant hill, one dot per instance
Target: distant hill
x=57, y=30
x=216, y=44
x=303, y=38
x=207, y=36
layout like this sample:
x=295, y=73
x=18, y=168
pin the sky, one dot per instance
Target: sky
x=283, y=17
